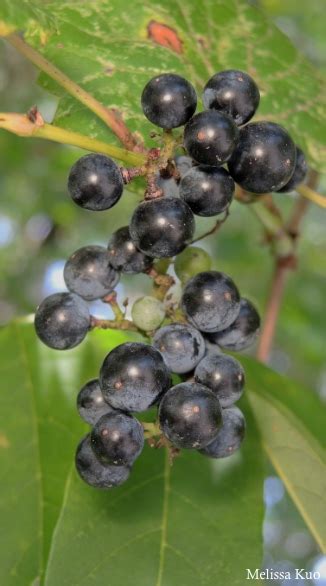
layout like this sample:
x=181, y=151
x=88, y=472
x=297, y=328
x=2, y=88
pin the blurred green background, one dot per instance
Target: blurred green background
x=40, y=228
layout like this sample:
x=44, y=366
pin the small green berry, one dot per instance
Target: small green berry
x=147, y=313
x=191, y=261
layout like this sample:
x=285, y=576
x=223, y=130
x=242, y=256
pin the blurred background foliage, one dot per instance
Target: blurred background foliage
x=40, y=228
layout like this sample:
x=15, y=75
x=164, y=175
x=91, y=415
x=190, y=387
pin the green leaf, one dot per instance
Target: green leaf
x=292, y=422
x=112, y=50
x=39, y=429
x=167, y=526
x=27, y=14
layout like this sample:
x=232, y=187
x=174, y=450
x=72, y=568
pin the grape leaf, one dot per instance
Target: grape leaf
x=112, y=50
x=27, y=14
x=292, y=422
x=195, y=523
x=39, y=429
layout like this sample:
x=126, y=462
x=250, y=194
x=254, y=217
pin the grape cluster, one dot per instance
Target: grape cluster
x=182, y=371
x=198, y=413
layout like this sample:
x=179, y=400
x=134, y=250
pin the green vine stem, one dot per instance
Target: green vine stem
x=112, y=324
x=161, y=283
x=150, y=429
x=109, y=116
x=23, y=125
x=306, y=191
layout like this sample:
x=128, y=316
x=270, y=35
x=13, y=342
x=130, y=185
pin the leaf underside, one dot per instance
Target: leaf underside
x=113, y=49
x=292, y=423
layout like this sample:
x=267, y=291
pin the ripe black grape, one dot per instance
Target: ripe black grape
x=183, y=164
x=210, y=137
x=264, y=158
x=62, y=320
x=162, y=227
x=232, y=92
x=207, y=190
x=229, y=437
x=133, y=376
x=88, y=273
x=243, y=332
x=124, y=255
x=222, y=374
x=93, y=472
x=190, y=415
x=168, y=100
x=211, y=301
x=181, y=346
x=299, y=173
x=117, y=439
x=90, y=402
x=95, y=182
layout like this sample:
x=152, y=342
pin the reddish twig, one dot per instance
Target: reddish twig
x=273, y=308
x=282, y=267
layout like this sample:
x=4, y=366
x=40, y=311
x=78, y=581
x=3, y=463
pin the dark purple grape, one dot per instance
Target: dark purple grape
x=190, y=415
x=95, y=182
x=243, y=332
x=299, y=173
x=124, y=256
x=62, y=320
x=232, y=92
x=133, y=376
x=117, y=439
x=168, y=100
x=90, y=402
x=181, y=346
x=211, y=301
x=264, y=159
x=88, y=273
x=210, y=137
x=207, y=190
x=93, y=472
x=162, y=227
x=223, y=375
x=183, y=164
x=229, y=437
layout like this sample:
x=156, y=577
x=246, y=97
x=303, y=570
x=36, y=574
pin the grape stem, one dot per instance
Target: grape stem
x=214, y=229
x=108, y=115
x=283, y=264
x=162, y=283
x=306, y=191
x=158, y=160
x=156, y=439
x=111, y=299
x=112, y=324
x=26, y=125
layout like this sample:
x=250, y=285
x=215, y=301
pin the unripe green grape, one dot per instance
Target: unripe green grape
x=191, y=261
x=147, y=313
